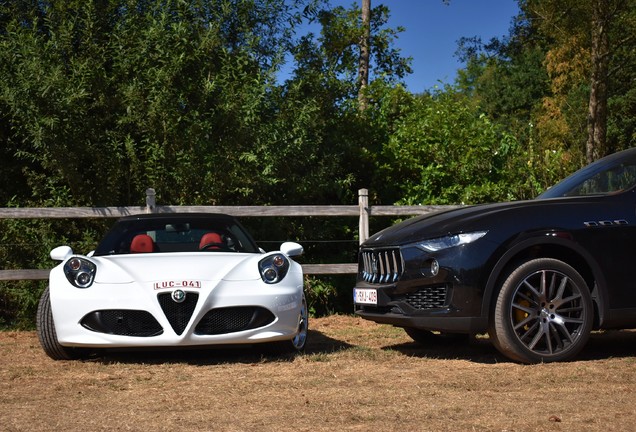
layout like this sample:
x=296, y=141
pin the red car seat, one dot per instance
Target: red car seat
x=213, y=239
x=142, y=243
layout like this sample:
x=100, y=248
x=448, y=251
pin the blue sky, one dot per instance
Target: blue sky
x=433, y=29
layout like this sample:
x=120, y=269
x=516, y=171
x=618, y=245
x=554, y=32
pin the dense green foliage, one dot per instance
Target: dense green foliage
x=101, y=99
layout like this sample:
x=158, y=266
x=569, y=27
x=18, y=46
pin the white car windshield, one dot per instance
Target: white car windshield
x=176, y=234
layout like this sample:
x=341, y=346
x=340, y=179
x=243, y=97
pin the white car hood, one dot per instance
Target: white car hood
x=200, y=266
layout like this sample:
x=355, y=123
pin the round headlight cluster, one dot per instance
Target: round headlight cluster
x=273, y=268
x=80, y=272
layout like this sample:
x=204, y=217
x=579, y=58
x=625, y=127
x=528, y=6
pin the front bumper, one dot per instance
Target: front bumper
x=219, y=312
x=443, y=307
x=448, y=299
x=444, y=324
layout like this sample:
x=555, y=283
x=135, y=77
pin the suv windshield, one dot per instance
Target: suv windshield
x=609, y=175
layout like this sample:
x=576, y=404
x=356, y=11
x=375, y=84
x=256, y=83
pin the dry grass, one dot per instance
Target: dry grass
x=356, y=375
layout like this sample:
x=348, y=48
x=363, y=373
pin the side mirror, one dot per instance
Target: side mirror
x=291, y=249
x=60, y=253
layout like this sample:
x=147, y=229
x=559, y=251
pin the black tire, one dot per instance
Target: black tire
x=47, y=336
x=427, y=337
x=543, y=313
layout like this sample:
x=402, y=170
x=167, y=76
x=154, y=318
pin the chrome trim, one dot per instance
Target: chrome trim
x=381, y=266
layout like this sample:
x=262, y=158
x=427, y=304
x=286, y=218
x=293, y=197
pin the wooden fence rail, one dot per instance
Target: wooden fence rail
x=362, y=210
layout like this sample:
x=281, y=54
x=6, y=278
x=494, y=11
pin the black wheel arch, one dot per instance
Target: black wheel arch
x=549, y=244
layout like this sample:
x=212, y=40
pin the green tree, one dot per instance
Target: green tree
x=506, y=78
x=138, y=94
x=539, y=83
x=446, y=151
x=363, y=62
x=586, y=39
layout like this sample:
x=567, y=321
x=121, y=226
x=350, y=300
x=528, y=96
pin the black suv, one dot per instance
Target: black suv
x=536, y=275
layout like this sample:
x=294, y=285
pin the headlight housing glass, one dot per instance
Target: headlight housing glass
x=80, y=272
x=436, y=244
x=273, y=268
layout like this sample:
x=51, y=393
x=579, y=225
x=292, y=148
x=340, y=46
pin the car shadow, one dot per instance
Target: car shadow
x=317, y=343
x=602, y=345
x=609, y=344
x=478, y=350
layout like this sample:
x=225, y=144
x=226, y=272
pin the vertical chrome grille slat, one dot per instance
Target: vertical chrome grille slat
x=381, y=266
x=381, y=259
x=395, y=267
x=365, y=265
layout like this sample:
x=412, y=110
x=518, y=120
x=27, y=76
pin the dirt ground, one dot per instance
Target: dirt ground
x=356, y=375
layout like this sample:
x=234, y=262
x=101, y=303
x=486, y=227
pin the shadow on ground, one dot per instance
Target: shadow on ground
x=478, y=350
x=318, y=343
x=602, y=345
x=610, y=344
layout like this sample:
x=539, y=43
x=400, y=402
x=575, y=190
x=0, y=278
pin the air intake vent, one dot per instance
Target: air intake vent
x=178, y=314
x=124, y=322
x=233, y=319
x=428, y=298
x=381, y=266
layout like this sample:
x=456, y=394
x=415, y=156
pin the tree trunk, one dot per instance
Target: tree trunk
x=596, y=146
x=363, y=67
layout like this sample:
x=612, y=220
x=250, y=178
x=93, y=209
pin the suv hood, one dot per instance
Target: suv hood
x=480, y=217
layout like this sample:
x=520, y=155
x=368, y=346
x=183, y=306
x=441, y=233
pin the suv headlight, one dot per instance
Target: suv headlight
x=273, y=268
x=80, y=272
x=448, y=241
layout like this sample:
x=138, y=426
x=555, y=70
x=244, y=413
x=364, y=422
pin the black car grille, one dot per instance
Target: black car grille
x=381, y=265
x=122, y=322
x=233, y=319
x=178, y=314
x=427, y=298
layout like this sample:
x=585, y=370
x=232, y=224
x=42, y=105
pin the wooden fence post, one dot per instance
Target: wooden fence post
x=363, y=203
x=150, y=200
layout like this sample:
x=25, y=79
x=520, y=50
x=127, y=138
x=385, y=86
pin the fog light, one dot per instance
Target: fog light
x=430, y=268
x=434, y=267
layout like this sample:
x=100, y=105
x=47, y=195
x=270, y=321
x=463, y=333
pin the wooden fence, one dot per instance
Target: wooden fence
x=363, y=211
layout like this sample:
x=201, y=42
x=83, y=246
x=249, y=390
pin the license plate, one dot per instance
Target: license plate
x=365, y=296
x=185, y=283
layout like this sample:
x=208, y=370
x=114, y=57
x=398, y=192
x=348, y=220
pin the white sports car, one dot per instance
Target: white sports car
x=173, y=280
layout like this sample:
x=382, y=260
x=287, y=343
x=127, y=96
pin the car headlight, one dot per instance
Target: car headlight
x=448, y=241
x=80, y=272
x=273, y=268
